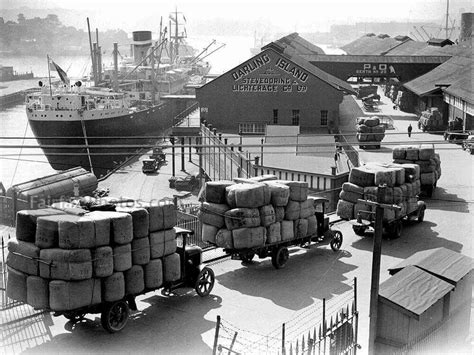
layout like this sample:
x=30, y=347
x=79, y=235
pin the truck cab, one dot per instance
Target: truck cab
x=150, y=166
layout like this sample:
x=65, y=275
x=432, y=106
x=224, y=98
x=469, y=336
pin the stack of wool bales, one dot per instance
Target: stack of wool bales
x=369, y=129
x=255, y=212
x=402, y=189
x=424, y=156
x=430, y=120
x=63, y=262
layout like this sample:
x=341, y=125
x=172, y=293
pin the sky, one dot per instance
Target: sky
x=307, y=15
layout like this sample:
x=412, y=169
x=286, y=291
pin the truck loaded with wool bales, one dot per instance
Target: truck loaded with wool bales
x=426, y=158
x=264, y=216
x=369, y=132
x=401, y=189
x=75, y=262
x=431, y=120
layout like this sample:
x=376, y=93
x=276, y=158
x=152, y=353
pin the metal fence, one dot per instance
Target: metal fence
x=329, y=327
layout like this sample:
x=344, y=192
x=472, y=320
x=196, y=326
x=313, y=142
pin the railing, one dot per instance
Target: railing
x=220, y=160
x=180, y=117
x=351, y=153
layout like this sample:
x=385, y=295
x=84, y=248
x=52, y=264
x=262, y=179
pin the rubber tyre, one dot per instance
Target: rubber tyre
x=115, y=316
x=421, y=214
x=205, y=282
x=280, y=256
x=359, y=230
x=336, y=241
x=247, y=257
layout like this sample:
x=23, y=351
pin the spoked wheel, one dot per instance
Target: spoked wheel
x=280, y=256
x=421, y=214
x=75, y=316
x=336, y=241
x=247, y=257
x=115, y=316
x=205, y=282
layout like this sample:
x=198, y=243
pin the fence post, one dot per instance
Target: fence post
x=356, y=315
x=216, y=335
x=182, y=154
x=283, y=351
x=190, y=152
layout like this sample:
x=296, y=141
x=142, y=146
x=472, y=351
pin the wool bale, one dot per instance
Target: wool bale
x=412, y=172
x=248, y=195
x=274, y=233
x=402, y=161
x=161, y=216
x=412, y=153
x=426, y=152
x=301, y=228
x=60, y=264
x=410, y=190
x=397, y=195
x=213, y=214
x=361, y=176
x=209, y=233
x=153, y=274
x=388, y=196
x=428, y=178
x=26, y=222
x=388, y=214
x=345, y=209
x=113, y=287
x=265, y=177
x=16, y=285
x=140, y=251
x=102, y=227
x=279, y=214
x=122, y=257
x=372, y=121
x=363, y=210
x=298, y=189
x=362, y=128
x=416, y=187
x=287, y=230
x=362, y=137
x=162, y=236
x=350, y=187
x=224, y=239
x=121, y=227
x=312, y=226
x=170, y=217
x=102, y=261
x=385, y=176
x=160, y=248
x=47, y=230
x=23, y=256
x=171, y=268
x=140, y=219
x=70, y=295
x=215, y=191
x=360, y=120
x=37, y=292
x=350, y=196
x=134, y=280
x=402, y=211
x=411, y=207
x=249, y=237
x=399, y=152
x=306, y=208
x=76, y=233
x=267, y=215
x=404, y=189
x=371, y=193
x=242, y=218
x=292, y=210
x=279, y=194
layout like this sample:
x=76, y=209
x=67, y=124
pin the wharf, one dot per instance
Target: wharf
x=13, y=92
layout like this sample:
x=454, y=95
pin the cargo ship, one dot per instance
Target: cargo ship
x=98, y=127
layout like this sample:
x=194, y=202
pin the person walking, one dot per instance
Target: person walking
x=410, y=128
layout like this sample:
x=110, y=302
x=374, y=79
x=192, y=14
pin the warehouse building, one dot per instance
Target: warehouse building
x=276, y=88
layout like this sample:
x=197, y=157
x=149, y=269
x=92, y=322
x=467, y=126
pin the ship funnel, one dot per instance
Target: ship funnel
x=467, y=19
x=141, y=43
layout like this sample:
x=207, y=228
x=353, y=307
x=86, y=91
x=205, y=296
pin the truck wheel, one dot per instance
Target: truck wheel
x=280, y=256
x=114, y=317
x=205, y=282
x=336, y=241
x=421, y=214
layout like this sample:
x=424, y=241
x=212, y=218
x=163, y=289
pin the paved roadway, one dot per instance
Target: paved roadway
x=258, y=298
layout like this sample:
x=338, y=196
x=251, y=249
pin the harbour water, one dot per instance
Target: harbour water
x=21, y=164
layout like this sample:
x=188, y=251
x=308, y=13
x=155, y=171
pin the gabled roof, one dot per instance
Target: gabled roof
x=463, y=88
x=445, y=74
x=441, y=262
x=407, y=48
x=371, y=45
x=441, y=42
x=294, y=43
x=414, y=290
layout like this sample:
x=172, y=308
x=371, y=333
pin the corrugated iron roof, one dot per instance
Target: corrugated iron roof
x=407, y=48
x=444, y=263
x=445, y=74
x=414, y=290
x=372, y=45
x=294, y=43
x=463, y=88
x=376, y=59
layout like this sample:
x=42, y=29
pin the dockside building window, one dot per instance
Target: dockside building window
x=275, y=116
x=324, y=117
x=295, y=118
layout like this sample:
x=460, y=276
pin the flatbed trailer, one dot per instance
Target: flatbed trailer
x=114, y=315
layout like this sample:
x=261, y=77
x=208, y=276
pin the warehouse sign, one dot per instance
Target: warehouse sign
x=265, y=74
x=376, y=69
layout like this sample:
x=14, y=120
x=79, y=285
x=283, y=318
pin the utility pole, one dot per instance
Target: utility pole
x=376, y=256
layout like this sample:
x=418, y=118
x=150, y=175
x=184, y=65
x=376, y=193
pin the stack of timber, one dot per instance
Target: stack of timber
x=369, y=132
x=255, y=212
x=426, y=158
x=402, y=189
x=62, y=261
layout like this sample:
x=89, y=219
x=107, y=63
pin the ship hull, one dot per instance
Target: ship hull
x=59, y=140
